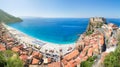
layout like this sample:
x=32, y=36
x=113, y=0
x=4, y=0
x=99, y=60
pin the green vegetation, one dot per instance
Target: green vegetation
x=113, y=59
x=89, y=32
x=5, y=17
x=9, y=58
x=99, y=24
x=89, y=62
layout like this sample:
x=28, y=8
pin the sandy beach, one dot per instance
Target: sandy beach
x=44, y=46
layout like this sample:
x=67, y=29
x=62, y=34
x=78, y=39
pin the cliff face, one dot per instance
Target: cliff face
x=5, y=17
x=103, y=37
x=95, y=22
x=109, y=32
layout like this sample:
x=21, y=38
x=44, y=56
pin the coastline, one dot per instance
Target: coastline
x=88, y=45
x=43, y=45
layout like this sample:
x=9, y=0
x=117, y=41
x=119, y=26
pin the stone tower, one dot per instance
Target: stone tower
x=95, y=22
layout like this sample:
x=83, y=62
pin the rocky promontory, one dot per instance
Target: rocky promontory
x=95, y=22
x=99, y=39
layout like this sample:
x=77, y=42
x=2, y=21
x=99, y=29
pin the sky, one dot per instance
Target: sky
x=62, y=8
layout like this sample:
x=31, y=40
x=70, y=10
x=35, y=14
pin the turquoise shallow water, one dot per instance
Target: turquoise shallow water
x=55, y=30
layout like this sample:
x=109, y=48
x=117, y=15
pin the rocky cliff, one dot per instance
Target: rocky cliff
x=91, y=49
x=95, y=22
x=103, y=37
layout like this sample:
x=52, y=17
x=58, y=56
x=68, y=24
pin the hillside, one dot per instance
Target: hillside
x=5, y=17
x=100, y=39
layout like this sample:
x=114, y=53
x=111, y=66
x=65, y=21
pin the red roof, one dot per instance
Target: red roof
x=86, y=48
x=35, y=61
x=101, y=40
x=54, y=64
x=90, y=51
x=71, y=55
x=2, y=48
x=15, y=49
x=64, y=61
x=85, y=58
x=23, y=57
x=78, y=60
x=35, y=53
x=95, y=46
x=82, y=54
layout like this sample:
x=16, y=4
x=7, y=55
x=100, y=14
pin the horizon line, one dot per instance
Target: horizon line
x=65, y=17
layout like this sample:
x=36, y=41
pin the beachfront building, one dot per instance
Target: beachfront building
x=29, y=55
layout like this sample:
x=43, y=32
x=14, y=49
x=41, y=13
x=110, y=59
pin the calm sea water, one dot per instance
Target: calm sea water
x=55, y=30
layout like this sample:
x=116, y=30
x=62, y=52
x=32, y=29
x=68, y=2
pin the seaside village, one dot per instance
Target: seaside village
x=100, y=42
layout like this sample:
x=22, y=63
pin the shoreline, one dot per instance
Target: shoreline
x=43, y=45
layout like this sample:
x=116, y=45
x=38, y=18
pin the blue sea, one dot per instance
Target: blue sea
x=55, y=30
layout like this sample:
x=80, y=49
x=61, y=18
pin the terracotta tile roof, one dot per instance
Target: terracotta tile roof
x=95, y=46
x=101, y=40
x=90, y=51
x=35, y=61
x=86, y=40
x=85, y=58
x=2, y=48
x=78, y=60
x=40, y=55
x=64, y=61
x=71, y=55
x=71, y=64
x=15, y=49
x=66, y=66
x=54, y=64
x=49, y=60
x=86, y=48
x=82, y=54
x=35, y=54
x=20, y=46
x=23, y=57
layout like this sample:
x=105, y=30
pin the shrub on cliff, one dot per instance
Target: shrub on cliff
x=113, y=59
x=89, y=62
x=89, y=32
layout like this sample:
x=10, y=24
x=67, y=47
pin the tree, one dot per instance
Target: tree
x=2, y=60
x=113, y=59
x=10, y=59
